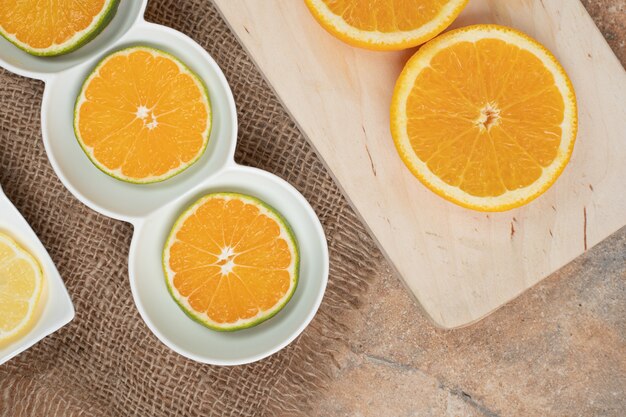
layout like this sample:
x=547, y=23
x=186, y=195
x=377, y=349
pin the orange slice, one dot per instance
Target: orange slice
x=383, y=24
x=142, y=116
x=54, y=27
x=485, y=117
x=231, y=261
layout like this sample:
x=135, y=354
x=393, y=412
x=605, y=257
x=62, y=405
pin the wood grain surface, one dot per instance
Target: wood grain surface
x=460, y=265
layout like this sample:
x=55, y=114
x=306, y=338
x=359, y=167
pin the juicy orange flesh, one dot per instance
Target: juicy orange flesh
x=230, y=261
x=143, y=116
x=16, y=288
x=385, y=15
x=485, y=117
x=42, y=24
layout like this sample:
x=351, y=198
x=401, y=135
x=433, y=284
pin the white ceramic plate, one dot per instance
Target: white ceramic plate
x=153, y=208
x=57, y=307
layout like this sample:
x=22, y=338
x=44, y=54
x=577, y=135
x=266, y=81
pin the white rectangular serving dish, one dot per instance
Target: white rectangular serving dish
x=58, y=309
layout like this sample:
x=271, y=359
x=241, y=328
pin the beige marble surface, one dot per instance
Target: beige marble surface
x=558, y=350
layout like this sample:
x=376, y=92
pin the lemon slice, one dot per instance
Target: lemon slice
x=21, y=284
x=143, y=129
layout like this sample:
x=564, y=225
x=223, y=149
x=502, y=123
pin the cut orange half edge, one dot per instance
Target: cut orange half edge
x=385, y=25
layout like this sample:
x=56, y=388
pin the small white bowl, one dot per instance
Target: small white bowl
x=57, y=308
x=118, y=199
x=153, y=208
x=187, y=337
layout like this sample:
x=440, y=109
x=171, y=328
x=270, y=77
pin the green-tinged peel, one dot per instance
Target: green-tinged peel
x=101, y=21
x=169, y=174
x=196, y=316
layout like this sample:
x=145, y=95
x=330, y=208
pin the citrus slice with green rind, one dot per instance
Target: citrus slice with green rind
x=231, y=261
x=142, y=115
x=21, y=285
x=54, y=27
x=385, y=25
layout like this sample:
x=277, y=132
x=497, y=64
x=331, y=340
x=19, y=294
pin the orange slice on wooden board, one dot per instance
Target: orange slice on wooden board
x=142, y=116
x=231, y=261
x=485, y=117
x=383, y=24
x=54, y=27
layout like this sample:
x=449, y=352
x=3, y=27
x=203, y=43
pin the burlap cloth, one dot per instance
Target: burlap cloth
x=107, y=362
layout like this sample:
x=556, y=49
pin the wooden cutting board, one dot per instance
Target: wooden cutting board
x=460, y=264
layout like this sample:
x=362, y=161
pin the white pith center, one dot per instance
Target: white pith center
x=225, y=260
x=489, y=116
x=147, y=116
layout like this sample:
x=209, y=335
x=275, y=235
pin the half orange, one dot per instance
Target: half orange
x=485, y=117
x=383, y=24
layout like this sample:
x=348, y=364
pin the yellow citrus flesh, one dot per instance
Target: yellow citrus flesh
x=52, y=27
x=485, y=117
x=384, y=24
x=231, y=261
x=142, y=116
x=21, y=284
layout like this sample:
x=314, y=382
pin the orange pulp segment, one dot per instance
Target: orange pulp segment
x=384, y=24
